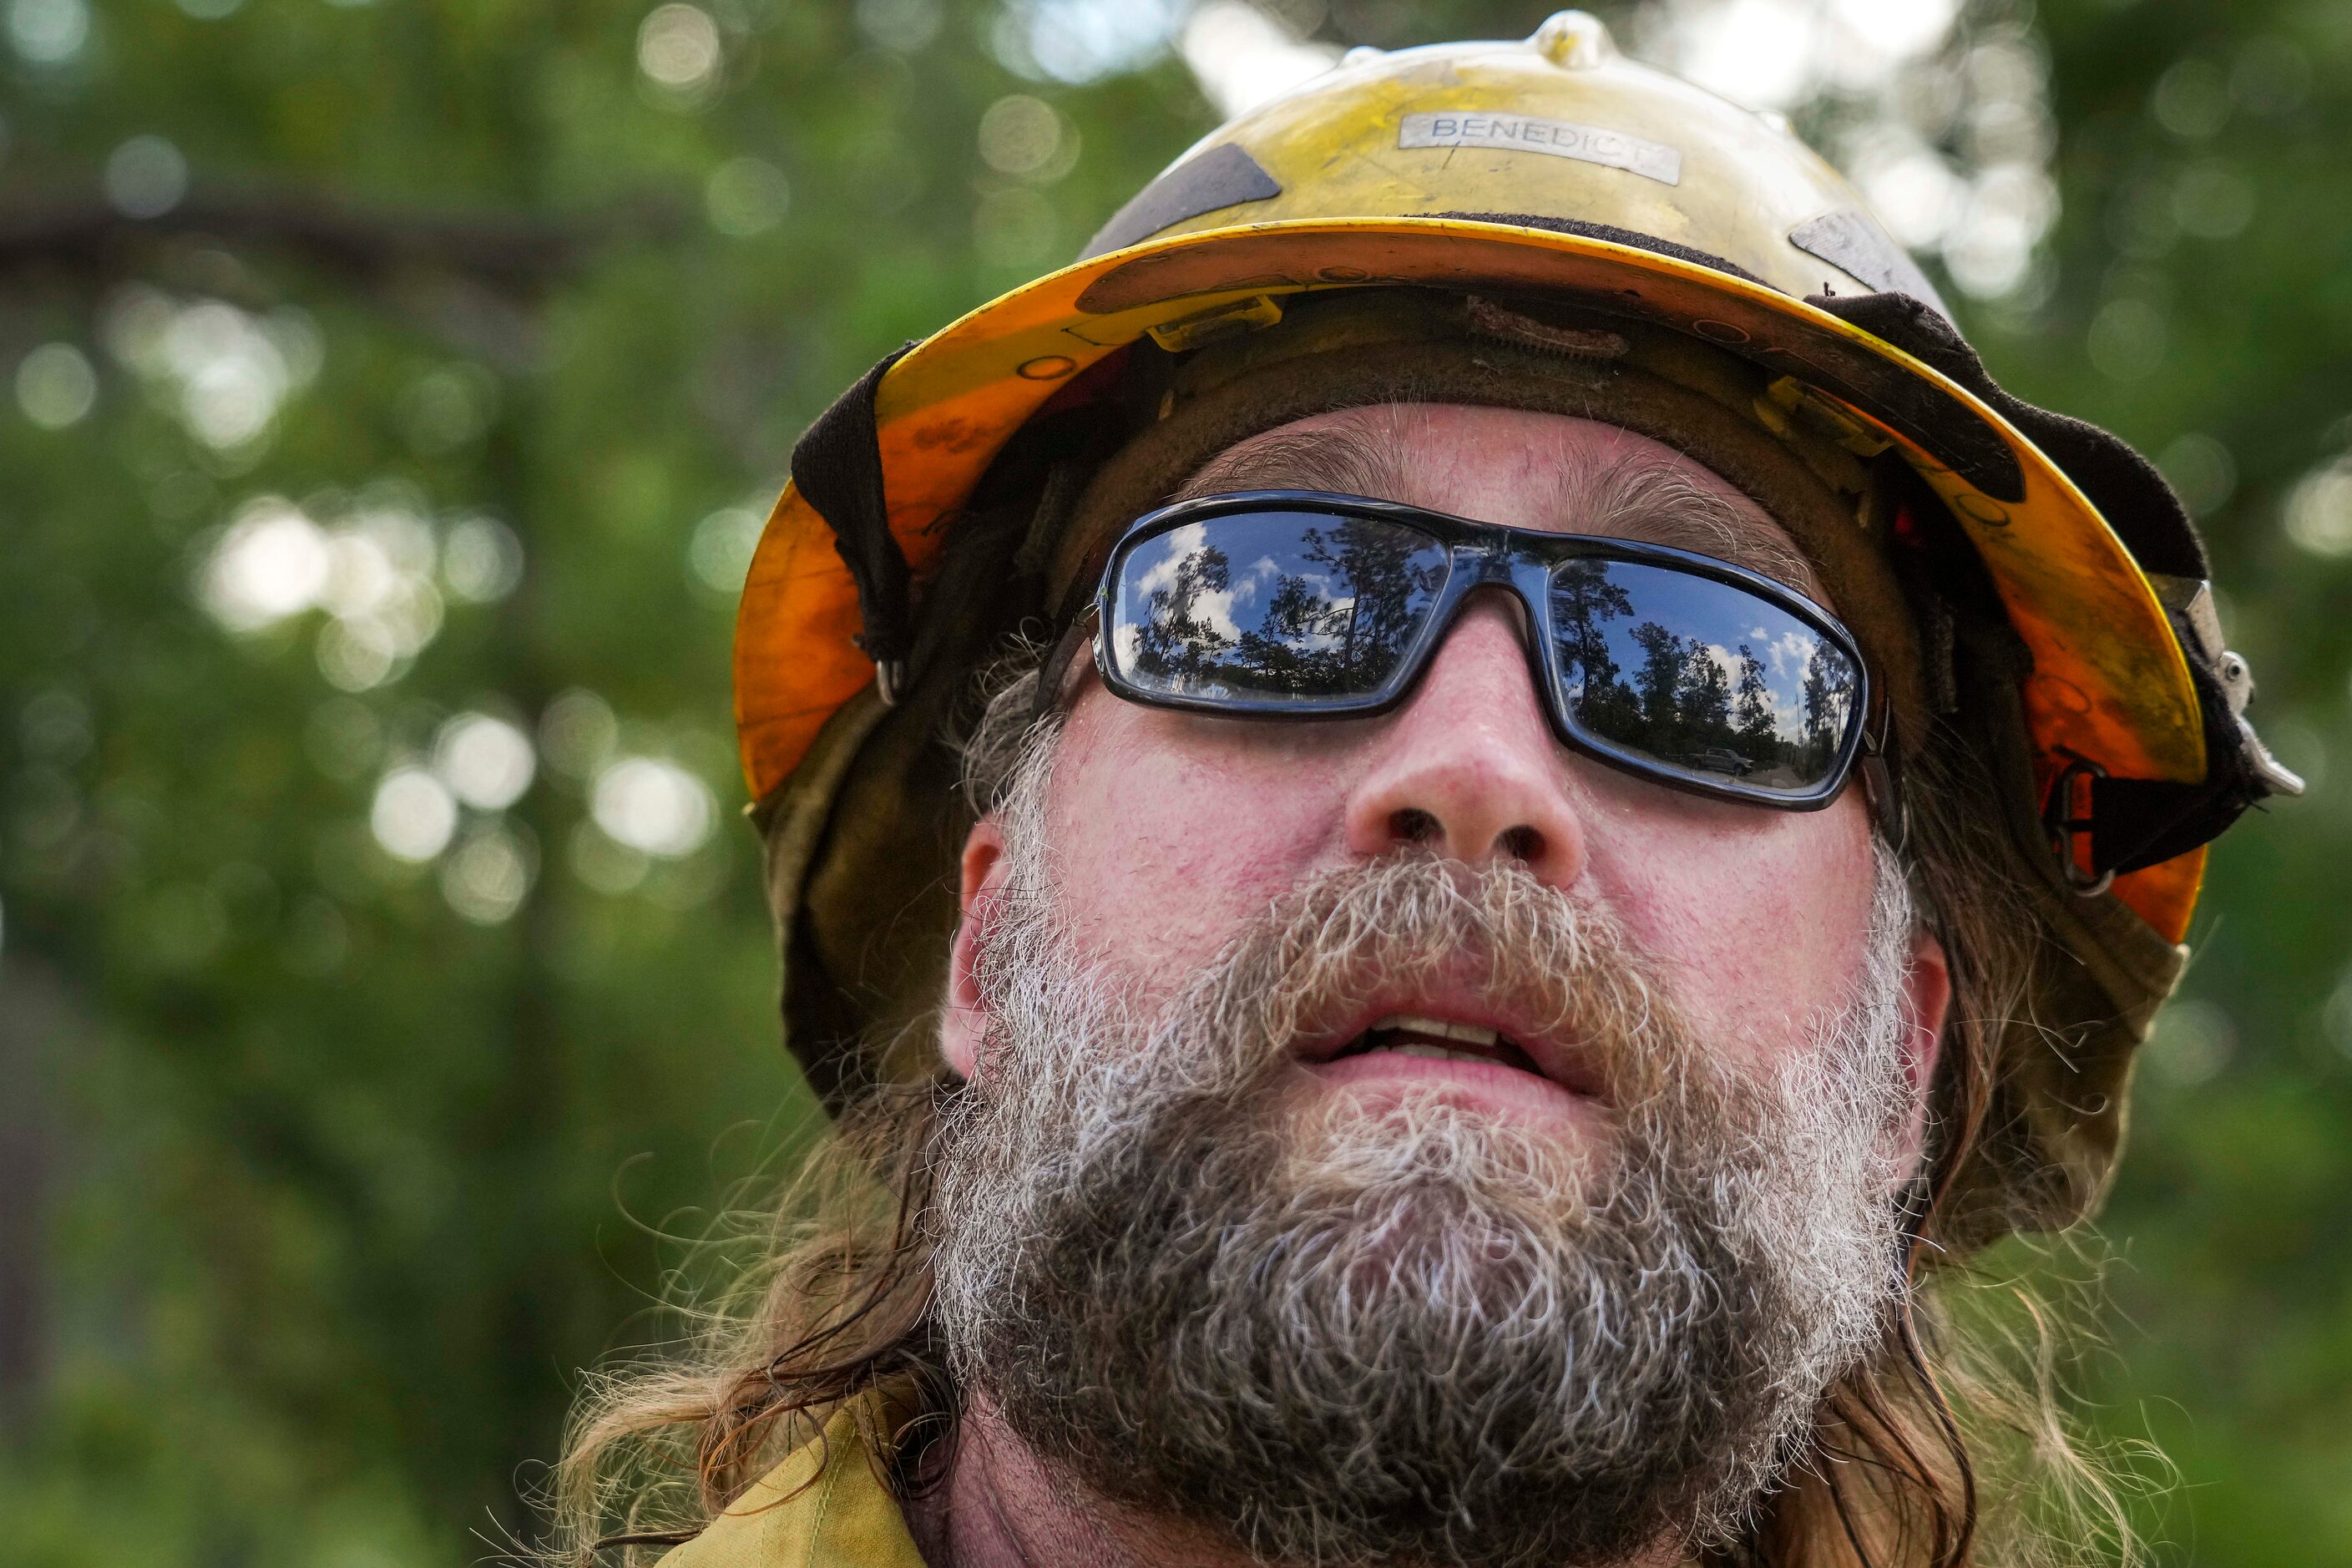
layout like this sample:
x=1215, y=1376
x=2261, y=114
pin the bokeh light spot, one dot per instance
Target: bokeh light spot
x=1243, y=57
x=901, y=26
x=578, y=733
x=745, y=196
x=1020, y=135
x=49, y=32
x=481, y=559
x=654, y=806
x=2191, y=100
x=1755, y=52
x=146, y=177
x=2318, y=516
x=1914, y=191
x=1900, y=28
x=356, y=655
x=1083, y=41
x=488, y=876
x=2336, y=1014
x=273, y=563
x=2008, y=209
x=2213, y=200
x=2192, y=1042
x=233, y=369
x=720, y=552
x=678, y=48
x=485, y=761
x=414, y=815
x=55, y=385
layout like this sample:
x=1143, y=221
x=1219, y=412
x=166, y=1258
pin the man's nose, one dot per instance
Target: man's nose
x=1468, y=766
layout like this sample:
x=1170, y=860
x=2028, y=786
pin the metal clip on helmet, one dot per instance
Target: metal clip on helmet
x=928, y=509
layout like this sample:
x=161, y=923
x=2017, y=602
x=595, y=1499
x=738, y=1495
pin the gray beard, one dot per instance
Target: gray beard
x=1417, y=1332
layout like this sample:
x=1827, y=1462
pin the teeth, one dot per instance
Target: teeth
x=1438, y=1053
x=1468, y=1034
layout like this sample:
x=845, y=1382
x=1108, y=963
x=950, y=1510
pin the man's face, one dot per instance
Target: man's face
x=1401, y=1137
x=1170, y=831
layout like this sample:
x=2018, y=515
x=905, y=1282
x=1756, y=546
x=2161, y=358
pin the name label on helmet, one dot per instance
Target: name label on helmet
x=1556, y=138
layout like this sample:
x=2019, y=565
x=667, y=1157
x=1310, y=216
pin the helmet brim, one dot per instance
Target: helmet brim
x=2109, y=685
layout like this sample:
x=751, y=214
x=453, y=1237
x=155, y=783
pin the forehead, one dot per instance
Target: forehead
x=1519, y=469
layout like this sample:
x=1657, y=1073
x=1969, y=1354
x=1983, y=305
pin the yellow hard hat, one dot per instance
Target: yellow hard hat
x=1552, y=167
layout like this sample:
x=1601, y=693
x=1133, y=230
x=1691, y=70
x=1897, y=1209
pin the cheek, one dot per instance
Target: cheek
x=1170, y=834
x=1760, y=918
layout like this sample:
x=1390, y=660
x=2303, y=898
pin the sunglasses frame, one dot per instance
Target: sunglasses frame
x=1520, y=562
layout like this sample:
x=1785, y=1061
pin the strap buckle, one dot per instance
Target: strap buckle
x=2064, y=828
x=1078, y=637
x=1882, y=783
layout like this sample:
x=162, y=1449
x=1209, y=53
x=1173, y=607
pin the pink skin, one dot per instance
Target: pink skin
x=1170, y=831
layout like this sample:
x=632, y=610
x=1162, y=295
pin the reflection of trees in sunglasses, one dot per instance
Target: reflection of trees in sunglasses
x=1689, y=701
x=1325, y=613
x=1173, y=643
x=1330, y=633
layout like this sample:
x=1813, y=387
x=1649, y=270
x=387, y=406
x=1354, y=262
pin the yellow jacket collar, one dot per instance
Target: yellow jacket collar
x=826, y=1506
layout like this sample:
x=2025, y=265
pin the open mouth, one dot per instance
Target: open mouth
x=1410, y=1034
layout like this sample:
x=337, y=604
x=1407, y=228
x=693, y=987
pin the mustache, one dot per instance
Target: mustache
x=1563, y=974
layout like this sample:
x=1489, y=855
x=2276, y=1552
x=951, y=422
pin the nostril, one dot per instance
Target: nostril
x=1413, y=825
x=1522, y=843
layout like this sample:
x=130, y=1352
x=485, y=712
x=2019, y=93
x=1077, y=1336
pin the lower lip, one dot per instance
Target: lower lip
x=1392, y=1074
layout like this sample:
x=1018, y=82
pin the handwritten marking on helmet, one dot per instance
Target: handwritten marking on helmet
x=1555, y=138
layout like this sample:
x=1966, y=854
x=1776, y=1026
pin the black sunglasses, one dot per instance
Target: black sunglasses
x=1677, y=667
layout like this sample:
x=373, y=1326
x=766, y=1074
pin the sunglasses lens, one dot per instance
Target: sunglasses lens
x=1301, y=610
x=1700, y=677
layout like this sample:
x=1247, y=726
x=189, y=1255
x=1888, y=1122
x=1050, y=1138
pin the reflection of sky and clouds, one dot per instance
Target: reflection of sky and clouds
x=1787, y=657
x=1164, y=558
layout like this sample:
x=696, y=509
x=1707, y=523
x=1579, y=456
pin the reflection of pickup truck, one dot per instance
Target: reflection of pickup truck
x=1722, y=760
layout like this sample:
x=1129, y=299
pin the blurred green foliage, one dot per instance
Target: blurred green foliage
x=326, y=1169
